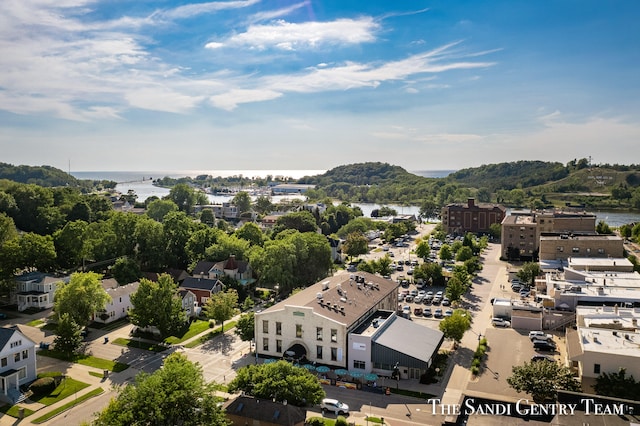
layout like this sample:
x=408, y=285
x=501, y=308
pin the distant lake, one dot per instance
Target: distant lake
x=145, y=189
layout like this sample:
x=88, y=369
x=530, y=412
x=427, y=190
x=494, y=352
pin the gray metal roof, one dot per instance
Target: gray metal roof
x=412, y=339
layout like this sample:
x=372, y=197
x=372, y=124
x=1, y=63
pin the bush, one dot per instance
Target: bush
x=475, y=363
x=341, y=421
x=475, y=370
x=315, y=421
x=43, y=386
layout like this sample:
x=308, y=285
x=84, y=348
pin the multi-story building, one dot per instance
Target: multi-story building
x=605, y=339
x=120, y=304
x=459, y=218
x=565, y=246
x=522, y=231
x=346, y=321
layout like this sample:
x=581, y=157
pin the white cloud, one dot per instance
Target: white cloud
x=162, y=99
x=190, y=10
x=230, y=100
x=272, y=14
x=306, y=35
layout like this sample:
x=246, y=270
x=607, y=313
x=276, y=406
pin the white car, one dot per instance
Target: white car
x=539, y=335
x=500, y=322
x=335, y=406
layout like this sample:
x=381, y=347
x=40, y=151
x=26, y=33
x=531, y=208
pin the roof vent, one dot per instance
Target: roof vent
x=325, y=285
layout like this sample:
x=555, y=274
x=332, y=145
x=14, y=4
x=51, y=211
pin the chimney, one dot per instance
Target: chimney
x=471, y=202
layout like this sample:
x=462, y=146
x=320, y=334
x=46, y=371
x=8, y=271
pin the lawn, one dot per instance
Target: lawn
x=196, y=327
x=35, y=323
x=66, y=388
x=211, y=335
x=139, y=345
x=88, y=360
x=14, y=411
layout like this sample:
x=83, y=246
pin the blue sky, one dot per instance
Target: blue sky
x=279, y=84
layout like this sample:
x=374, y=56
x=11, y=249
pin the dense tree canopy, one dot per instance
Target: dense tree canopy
x=542, y=380
x=455, y=326
x=221, y=306
x=281, y=381
x=176, y=394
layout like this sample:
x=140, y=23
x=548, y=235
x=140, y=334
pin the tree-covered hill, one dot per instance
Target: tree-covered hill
x=39, y=175
x=523, y=174
x=359, y=174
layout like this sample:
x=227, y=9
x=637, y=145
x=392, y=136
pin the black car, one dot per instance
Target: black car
x=544, y=347
x=539, y=357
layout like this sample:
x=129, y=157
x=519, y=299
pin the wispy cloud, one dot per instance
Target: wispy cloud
x=293, y=36
x=278, y=13
x=191, y=10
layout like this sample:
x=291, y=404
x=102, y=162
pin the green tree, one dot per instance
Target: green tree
x=542, y=380
x=150, y=240
x=69, y=244
x=445, y=252
x=126, y=271
x=422, y=249
x=617, y=385
x=430, y=272
x=176, y=394
x=465, y=253
x=528, y=272
x=68, y=338
x=263, y=205
x=302, y=221
x=37, y=251
x=428, y=209
x=455, y=289
x=252, y=233
x=221, y=306
x=242, y=201
x=157, y=304
x=245, y=327
x=454, y=327
x=158, y=209
x=603, y=228
x=495, y=230
x=177, y=229
x=81, y=297
x=207, y=217
x=355, y=244
x=183, y=196
x=279, y=380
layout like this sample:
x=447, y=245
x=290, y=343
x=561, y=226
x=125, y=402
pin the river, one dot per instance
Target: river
x=146, y=189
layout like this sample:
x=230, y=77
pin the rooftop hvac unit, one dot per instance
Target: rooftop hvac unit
x=325, y=285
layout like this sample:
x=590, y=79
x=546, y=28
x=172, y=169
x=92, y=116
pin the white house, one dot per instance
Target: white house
x=120, y=302
x=17, y=363
x=35, y=290
x=189, y=303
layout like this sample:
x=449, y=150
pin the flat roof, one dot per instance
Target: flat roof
x=609, y=329
x=405, y=336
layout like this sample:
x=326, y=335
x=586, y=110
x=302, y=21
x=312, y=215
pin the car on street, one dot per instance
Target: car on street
x=500, y=322
x=335, y=406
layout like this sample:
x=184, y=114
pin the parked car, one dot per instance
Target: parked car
x=406, y=311
x=540, y=335
x=335, y=406
x=446, y=301
x=448, y=313
x=426, y=312
x=525, y=293
x=538, y=342
x=437, y=313
x=544, y=346
x=538, y=357
x=408, y=298
x=417, y=311
x=436, y=300
x=418, y=299
x=500, y=322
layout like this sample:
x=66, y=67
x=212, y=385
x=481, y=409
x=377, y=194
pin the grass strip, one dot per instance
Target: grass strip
x=139, y=345
x=111, y=325
x=94, y=374
x=211, y=335
x=65, y=407
x=88, y=360
x=196, y=327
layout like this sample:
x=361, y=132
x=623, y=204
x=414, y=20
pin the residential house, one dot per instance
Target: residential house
x=189, y=303
x=35, y=290
x=120, y=303
x=17, y=363
x=203, y=288
x=239, y=270
x=245, y=410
